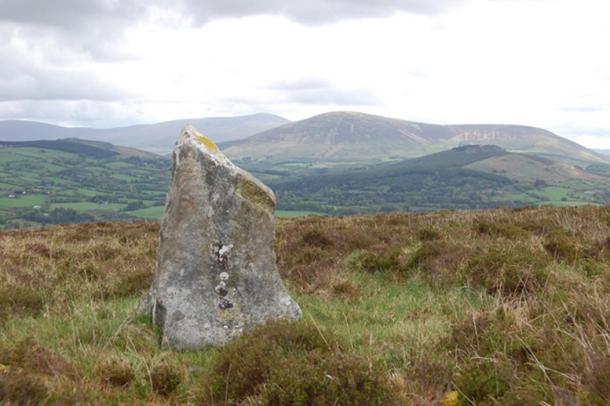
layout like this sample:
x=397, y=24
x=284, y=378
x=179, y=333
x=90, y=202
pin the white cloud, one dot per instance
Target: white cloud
x=540, y=63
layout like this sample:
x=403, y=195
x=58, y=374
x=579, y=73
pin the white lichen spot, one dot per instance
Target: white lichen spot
x=224, y=250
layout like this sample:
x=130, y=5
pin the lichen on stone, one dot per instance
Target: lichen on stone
x=252, y=192
x=209, y=144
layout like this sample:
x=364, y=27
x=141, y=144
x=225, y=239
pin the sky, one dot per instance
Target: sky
x=106, y=63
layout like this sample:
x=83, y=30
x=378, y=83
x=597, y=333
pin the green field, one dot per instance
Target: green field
x=85, y=206
x=26, y=201
x=155, y=212
x=91, y=184
x=84, y=185
x=554, y=193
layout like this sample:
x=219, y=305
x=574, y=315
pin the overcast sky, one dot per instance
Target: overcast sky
x=107, y=63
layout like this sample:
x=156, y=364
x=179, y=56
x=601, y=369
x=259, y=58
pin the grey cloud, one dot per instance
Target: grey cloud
x=86, y=13
x=54, y=84
x=71, y=112
x=70, y=13
x=317, y=91
x=22, y=78
x=314, y=11
x=333, y=97
x=96, y=27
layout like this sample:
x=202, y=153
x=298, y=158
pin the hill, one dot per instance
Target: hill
x=93, y=149
x=346, y=137
x=158, y=138
x=340, y=136
x=70, y=180
x=605, y=152
x=484, y=307
x=471, y=176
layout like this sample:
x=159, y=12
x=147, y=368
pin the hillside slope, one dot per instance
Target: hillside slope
x=47, y=182
x=158, y=138
x=81, y=147
x=472, y=176
x=524, y=139
x=342, y=136
x=485, y=307
x=356, y=137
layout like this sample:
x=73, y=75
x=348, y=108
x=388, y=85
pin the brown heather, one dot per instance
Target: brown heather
x=487, y=307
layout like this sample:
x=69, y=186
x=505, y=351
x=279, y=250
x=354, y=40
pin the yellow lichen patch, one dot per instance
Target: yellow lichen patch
x=209, y=144
x=250, y=191
x=450, y=399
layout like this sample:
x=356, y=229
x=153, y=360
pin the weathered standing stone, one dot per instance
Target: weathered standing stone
x=216, y=273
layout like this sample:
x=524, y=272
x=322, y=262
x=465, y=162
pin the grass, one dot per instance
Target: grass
x=155, y=212
x=482, y=307
x=22, y=201
x=295, y=213
x=83, y=206
x=554, y=193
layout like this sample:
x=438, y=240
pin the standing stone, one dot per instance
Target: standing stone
x=216, y=273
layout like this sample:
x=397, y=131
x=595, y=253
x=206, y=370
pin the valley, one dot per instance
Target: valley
x=73, y=181
x=332, y=164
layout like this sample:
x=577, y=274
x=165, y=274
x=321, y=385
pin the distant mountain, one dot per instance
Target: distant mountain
x=158, y=138
x=357, y=137
x=524, y=139
x=473, y=176
x=603, y=151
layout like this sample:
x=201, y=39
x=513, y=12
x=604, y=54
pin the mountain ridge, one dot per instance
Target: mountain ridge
x=353, y=136
x=158, y=137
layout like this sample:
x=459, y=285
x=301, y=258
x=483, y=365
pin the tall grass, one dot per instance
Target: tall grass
x=481, y=307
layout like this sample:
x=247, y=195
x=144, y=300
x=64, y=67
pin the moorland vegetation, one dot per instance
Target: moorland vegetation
x=504, y=306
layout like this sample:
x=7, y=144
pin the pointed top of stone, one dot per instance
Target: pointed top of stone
x=248, y=186
x=203, y=143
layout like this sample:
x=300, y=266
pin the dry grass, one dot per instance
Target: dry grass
x=502, y=306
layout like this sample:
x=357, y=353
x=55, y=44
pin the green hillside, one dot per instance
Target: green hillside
x=67, y=181
x=465, y=177
x=64, y=181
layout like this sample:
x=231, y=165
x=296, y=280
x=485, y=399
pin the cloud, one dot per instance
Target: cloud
x=581, y=109
x=70, y=112
x=27, y=74
x=301, y=84
x=317, y=91
x=332, y=97
x=314, y=11
x=83, y=13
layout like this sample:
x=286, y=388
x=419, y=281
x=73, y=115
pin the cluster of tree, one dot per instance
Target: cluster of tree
x=58, y=216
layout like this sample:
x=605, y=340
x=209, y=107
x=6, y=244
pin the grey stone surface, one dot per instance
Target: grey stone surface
x=216, y=273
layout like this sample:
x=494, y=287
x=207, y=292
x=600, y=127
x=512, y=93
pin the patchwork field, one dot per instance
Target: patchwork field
x=42, y=185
